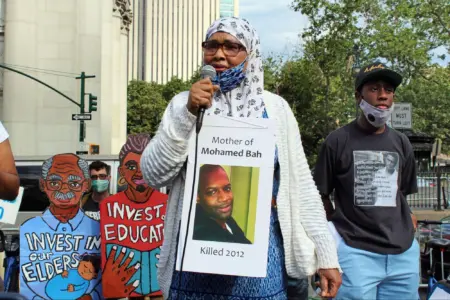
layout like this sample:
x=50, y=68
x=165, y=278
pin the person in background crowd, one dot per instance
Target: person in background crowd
x=9, y=180
x=299, y=239
x=372, y=222
x=100, y=174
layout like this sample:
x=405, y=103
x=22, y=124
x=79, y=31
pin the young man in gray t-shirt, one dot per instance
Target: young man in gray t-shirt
x=371, y=169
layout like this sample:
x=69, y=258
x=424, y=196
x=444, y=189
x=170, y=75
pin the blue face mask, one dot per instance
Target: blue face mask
x=231, y=78
x=100, y=186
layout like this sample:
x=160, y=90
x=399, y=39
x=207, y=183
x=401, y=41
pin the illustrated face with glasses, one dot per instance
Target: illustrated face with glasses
x=65, y=182
x=223, y=51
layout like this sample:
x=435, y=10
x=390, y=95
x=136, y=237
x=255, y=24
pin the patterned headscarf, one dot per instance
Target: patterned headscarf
x=246, y=100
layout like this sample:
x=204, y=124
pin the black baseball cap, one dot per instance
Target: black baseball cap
x=376, y=71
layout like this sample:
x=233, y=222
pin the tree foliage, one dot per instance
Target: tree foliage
x=145, y=107
x=319, y=83
x=345, y=34
x=148, y=100
x=430, y=98
x=401, y=32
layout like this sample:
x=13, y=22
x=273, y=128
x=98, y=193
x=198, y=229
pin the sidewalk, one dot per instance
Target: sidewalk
x=429, y=214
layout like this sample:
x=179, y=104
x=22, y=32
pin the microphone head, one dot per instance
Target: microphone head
x=208, y=72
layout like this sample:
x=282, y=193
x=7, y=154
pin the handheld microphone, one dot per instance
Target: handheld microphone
x=206, y=72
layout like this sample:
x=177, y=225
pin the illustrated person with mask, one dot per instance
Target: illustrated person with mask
x=213, y=216
x=377, y=250
x=100, y=174
x=299, y=240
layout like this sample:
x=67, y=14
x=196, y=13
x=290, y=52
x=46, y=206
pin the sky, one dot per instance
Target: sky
x=277, y=24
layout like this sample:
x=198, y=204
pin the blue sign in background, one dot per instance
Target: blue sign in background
x=10, y=208
x=50, y=254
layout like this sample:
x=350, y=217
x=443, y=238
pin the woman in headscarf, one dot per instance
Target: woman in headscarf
x=299, y=240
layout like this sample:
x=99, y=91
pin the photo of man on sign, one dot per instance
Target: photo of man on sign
x=224, y=206
x=54, y=246
x=132, y=229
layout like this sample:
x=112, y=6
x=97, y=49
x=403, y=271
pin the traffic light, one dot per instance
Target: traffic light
x=92, y=103
x=94, y=149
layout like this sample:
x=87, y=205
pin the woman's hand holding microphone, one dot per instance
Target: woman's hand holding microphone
x=200, y=95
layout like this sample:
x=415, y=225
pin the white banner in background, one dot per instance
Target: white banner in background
x=10, y=209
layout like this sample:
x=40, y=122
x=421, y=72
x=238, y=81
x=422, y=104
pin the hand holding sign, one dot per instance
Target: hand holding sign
x=113, y=270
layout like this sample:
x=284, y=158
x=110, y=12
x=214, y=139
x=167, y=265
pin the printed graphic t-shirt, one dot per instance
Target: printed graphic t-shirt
x=3, y=133
x=92, y=208
x=371, y=175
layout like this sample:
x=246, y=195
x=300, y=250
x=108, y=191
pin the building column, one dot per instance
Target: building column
x=20, y=106
x=122, y=17
x=127, y=19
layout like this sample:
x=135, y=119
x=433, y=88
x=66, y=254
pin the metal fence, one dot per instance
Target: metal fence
x=427, y=195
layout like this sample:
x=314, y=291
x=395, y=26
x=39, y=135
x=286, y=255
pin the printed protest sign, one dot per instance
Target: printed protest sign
x=10, y=209
x=60, y=250
x=132, y=229
x=228, y=230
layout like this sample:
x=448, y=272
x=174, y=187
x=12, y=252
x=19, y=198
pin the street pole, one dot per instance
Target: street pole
x=438, y=178
x=327, y=92
x=82, y=134
x=39, y=81
x=83, y=76
x=437, y=169
x=355, y=70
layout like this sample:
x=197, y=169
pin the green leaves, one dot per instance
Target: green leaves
x=145, y=107
x=147, y=102
x=319, y=85
x=430, y=98
x=401, y=32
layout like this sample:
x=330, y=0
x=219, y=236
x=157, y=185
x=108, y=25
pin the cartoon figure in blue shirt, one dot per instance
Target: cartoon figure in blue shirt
x=56, y=241
x=74, y=283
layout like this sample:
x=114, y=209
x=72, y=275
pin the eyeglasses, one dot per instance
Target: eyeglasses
x=101, y=176
x=229, y=49
x=56, y=185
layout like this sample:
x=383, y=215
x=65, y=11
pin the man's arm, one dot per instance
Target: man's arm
x=9, y=180
x=328, y=206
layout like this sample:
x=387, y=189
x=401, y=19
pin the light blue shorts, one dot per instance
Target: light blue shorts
x=372, y=276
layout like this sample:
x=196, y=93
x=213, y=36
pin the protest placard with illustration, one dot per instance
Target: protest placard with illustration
x=132, y=229
x=60, y=250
